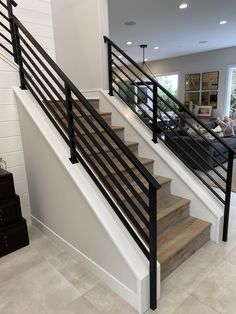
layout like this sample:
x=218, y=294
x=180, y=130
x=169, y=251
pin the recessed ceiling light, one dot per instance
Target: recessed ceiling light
x=156, y=48
x=146, y=59
x=130, y=23
x=183, y=6
x=203, y=41
x=223, y=22
x=129, y=43
x=120, y=56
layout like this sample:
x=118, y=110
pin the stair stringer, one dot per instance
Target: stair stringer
x=62, y=207
x=204, y=205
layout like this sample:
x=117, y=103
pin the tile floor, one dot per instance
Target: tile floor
x=41, y=279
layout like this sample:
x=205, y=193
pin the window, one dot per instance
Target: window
x=169, y=82
x=230, y=108
x=233, y=93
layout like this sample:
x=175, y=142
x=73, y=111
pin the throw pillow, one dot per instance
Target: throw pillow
x=221, y=123
x=191, y=132
x=229, y=130
x=218, y=130
x=227, y=126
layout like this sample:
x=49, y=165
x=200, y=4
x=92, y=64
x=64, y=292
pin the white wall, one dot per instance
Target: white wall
x=79, y=27
x=217, y=60
x=62, y=206
x=36, y=16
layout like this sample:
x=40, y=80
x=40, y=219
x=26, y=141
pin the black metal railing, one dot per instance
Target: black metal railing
x=7, y=40
x=206, y=154
x=124, y=181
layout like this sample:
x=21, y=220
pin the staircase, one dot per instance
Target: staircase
x=158, y=221
x=178, y=234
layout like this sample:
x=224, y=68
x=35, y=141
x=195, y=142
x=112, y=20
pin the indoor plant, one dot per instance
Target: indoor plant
x=3, y=163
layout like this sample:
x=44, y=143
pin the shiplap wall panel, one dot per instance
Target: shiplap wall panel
x=9, y=79
x=10, y=144
x=9, y=128
x=35, y=15
x=14, y=159
x=8, y=113
x=6, y=96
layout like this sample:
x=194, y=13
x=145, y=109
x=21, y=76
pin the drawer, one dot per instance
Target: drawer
x=13, y=237
x=7, y=189
x=10, y=211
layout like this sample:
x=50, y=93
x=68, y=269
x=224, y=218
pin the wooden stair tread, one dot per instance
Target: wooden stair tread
x=171, y=203
x=173, y=240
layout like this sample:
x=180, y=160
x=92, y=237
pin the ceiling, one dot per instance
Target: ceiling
x=176, y=32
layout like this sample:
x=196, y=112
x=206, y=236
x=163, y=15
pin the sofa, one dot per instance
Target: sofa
x=190, y=157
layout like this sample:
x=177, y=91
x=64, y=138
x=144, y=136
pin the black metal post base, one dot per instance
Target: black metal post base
x=74, y=160
x=154, y=139
x=23, y=87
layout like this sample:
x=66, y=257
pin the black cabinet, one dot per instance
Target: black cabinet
x=10, y=211
x=13, y=237
x=13, y=227
x=7, y=189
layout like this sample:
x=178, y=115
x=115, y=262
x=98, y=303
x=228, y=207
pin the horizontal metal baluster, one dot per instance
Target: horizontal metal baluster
x=118, y=172
x=7, y=50
x=114, y=152
x=52, y=119
x=135, y=103
x=108, y=185
x=118, y=212
x=136, y=94
x=45, y=100
x=41, y=62
x=131, y=71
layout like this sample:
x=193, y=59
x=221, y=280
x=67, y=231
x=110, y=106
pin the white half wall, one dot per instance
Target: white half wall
x=79, y=27
x=67, y=205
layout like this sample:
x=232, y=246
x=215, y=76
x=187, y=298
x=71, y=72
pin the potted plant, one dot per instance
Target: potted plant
x=3, y=163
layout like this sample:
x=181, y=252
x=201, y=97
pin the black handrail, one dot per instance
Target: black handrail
x=206, y=154
x=91, y=141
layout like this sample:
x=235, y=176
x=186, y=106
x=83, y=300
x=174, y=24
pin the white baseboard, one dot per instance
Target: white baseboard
x=118, y=287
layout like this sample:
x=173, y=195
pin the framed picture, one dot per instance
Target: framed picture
x=204, y=111
x=192, y=97
x=210, y=80
x=192, y=82
x=209, y=99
